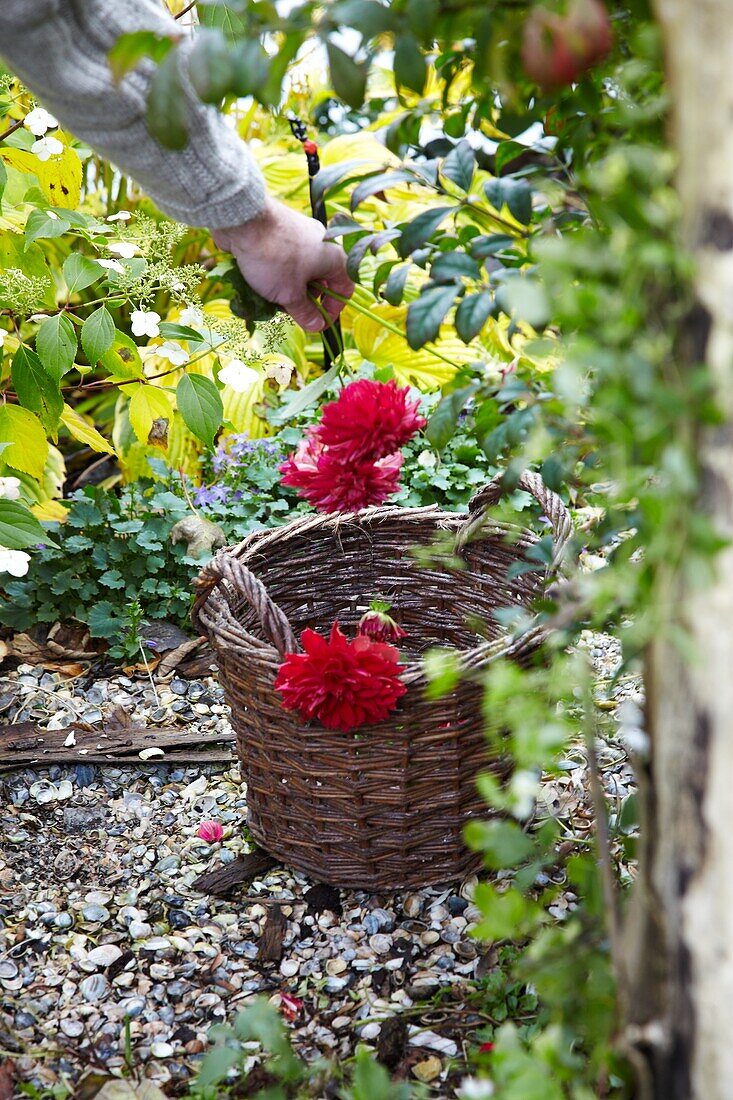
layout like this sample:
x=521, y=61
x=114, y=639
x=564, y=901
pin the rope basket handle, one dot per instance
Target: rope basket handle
x=551, y=504
x=273, y=620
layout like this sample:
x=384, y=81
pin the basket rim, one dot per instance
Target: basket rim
x=220, y=625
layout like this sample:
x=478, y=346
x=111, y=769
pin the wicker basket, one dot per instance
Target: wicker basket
x=384, y=807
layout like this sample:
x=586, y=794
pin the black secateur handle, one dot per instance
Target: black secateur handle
x=251, y=306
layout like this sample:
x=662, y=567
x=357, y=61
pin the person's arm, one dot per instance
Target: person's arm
x=59, y=49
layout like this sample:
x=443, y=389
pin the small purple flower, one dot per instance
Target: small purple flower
x=207, y=495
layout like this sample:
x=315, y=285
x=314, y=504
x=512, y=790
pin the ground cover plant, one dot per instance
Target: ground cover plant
x=501, y=179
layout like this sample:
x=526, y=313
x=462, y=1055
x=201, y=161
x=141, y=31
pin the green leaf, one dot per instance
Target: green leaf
x=454, y=265
x=369, y=17
x=200, y=405
x=169, y=330
x=40, y=225
x=506, y=153
x=250, y=67
x=166, y=113
x=524, y=299
x=421, y=228
x=410, y=65
x=210, y=65
x=27, y=446
x=380, y=182
x=19, y=527
x=472, y=314
x=394, y=288
x=503, y=843
x=56, y=345
x=442, y=424
x=36, y=389
x=97, y=334
x=296, y=402
x=80, y=272
x=513, y=193
x=105, y=620
x=122, y=359
x=425, y=315
x=130, y=49
x=347, y=76
x=3, y=179
x=484, y=246
x=442, y=672
x=459, y=165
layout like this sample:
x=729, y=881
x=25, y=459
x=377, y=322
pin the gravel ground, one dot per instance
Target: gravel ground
x=100, y=921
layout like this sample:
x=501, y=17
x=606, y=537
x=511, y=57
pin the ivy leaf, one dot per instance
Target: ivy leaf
x=210, y=66
x=425, y=315
x=80, y=272
x=97, y=334
x=347, y=76
x=27, y=446
x=166, y=114
x=19, y=527
x=36, y=390
x=472, y=314
x=56, y=345
x=410, y=66
x=459, y=166
x=200, y=405
x=421, y=229
x=442, y=424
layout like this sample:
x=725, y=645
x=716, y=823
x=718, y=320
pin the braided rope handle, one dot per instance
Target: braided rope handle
x=273, y=620
x=551, y=504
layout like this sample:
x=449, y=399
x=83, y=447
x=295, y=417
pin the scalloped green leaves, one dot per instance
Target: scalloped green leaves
x=200, y=405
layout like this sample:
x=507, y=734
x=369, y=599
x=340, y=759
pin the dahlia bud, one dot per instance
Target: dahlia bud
x=378, y=625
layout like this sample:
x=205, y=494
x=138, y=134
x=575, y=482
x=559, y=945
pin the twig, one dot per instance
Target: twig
x=186, y=10
x=11, y=129
x=605, y=861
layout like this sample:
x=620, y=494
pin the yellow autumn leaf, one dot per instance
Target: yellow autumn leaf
x=148, y=403
x=59, y=176
x=85, y=432
x=50, y=511
x=424, y=368
x=123, y=361
x=27, y=446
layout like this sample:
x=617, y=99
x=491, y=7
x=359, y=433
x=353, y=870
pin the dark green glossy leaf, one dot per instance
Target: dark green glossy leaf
x=459, y=166
x=166, y=113
x=56, y=345
x=454, y=265
x=36, y=389
x=442, y=424
x=395, y=286
x=472, y=314
x=426, y=314
x=421, y=229
x=210, y=66
x=374, y=184
x=410, y=65
x=347, y=76
x=97, y=334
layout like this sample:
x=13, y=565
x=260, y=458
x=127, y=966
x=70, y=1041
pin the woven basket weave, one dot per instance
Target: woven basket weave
x=383, y=807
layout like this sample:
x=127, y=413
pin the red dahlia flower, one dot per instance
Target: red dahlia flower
x=331, y=484
x=369, y=420
x=340, y=683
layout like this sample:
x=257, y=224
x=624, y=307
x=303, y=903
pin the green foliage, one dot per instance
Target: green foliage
x=113, y=552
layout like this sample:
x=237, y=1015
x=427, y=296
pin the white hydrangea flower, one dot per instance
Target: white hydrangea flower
x=191, y=315
x=238, y=375
x=145, y=322
x=47, y=147
x=173, y=352
x=112, y=265
x=427, y=459
x=120, y=216
x=3, y=334
x=126, y=249
x=279, y=368
x=9, y=488
x=15, y=562
x=475, y=1088
x=38, y=121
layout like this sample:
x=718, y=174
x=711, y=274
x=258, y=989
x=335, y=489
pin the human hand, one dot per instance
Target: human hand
x=280, y=252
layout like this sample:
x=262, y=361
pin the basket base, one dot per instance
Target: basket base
x=375, y=877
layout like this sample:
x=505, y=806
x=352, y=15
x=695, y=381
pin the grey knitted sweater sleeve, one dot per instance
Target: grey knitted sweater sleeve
x=59, y=49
